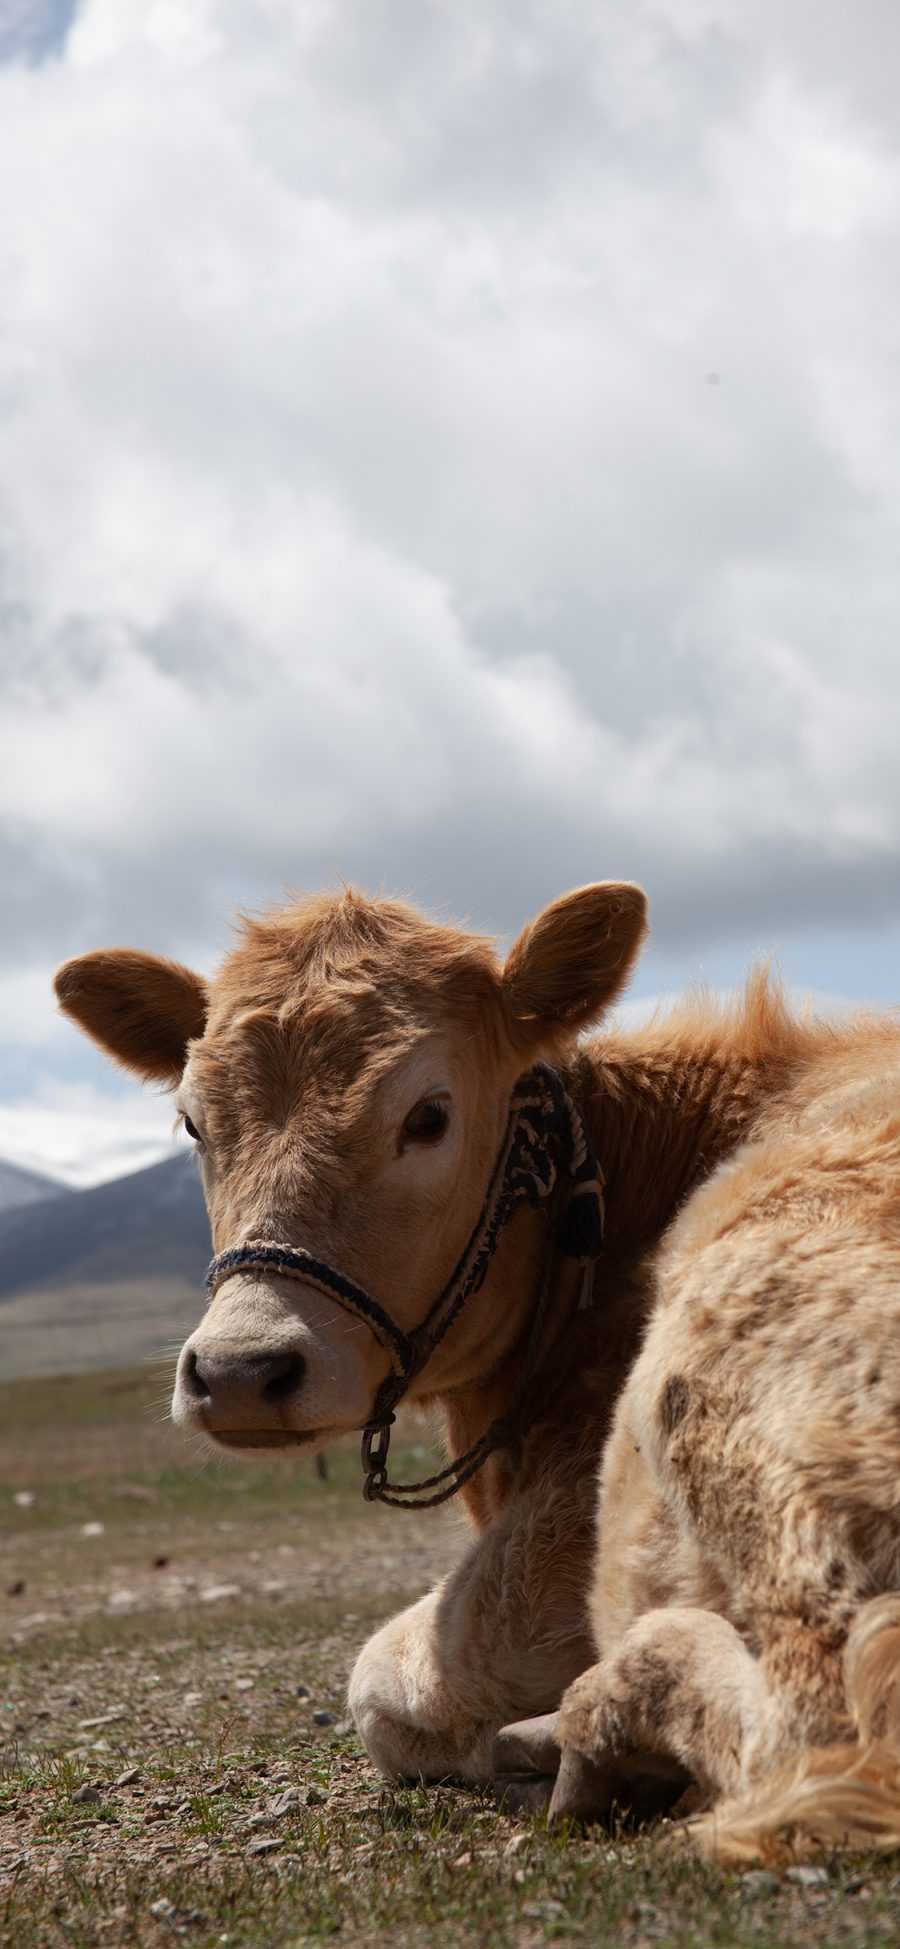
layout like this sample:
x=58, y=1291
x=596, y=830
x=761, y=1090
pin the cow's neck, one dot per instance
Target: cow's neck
x=659, y=1125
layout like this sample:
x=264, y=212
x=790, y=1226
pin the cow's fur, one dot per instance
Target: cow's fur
x=746, y=1595
x=299, y=1066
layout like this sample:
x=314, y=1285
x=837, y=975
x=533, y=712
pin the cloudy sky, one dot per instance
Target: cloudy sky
x=453, y=446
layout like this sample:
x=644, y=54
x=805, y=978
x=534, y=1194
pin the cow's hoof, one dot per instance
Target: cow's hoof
x=582, y=1791
x=528, y=1746
x=639, y=1787
x=525, y=1758
x=523, y=1793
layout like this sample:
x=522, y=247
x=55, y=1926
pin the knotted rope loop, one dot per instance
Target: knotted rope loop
x=502, y=1433
x=375, y=1443
x=374, y=1453
x=546, y=1149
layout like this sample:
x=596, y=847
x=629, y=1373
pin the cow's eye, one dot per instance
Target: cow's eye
x=427, y=1122
x=192, y=1131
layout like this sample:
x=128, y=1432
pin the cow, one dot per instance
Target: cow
x=426, y=1180
x=746, y=1590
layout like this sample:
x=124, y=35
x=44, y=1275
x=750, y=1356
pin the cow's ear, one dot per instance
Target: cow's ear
x=142, y=1010
x=574, y=959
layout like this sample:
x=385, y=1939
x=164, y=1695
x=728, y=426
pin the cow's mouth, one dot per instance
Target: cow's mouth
x=240, y=1438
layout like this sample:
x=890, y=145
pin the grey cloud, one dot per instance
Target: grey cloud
x=430, y=107
x=849, y=54
x=777, y=892
x=309, y=803
x=502, y=113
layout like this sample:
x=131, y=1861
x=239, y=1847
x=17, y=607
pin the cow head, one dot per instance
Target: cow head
x=346, y=1079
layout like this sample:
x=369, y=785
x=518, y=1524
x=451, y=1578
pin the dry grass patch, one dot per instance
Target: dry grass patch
x=172, y=1629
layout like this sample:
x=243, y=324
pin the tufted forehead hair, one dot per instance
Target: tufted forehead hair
x=330, y=949
x=321, y=998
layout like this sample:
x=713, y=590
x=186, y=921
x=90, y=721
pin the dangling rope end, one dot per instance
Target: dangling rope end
x=581, y=1224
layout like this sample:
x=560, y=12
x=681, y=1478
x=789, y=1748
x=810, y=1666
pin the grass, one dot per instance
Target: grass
x=172, y=1663
x=85, y=1326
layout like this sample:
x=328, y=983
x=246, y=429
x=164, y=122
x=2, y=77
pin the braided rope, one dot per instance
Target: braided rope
x=293, y=1262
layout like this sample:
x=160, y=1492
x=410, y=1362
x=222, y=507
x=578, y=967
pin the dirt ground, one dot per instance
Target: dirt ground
x=177, y=1764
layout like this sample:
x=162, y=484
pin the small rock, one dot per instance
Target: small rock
x=16, y=1588
x=86, y=1796
x=283, y=1803
x=260, y=1820
x=462, y=1860
x=808, y=1877
x=192, y=1698
x=302, y=1692
x=217, y=1593
x=323, y=1718
x=315, y=1797
x=24, y=1498
x=263, y=1847
x=161, y=1562
x=244, y=1684
x=518, y=1842
x=119, y=1599
x=178, y=1917
x=759, y=1881
x=130, y=1777
x=93, y=1529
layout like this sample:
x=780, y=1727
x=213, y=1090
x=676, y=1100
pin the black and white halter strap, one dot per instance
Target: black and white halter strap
x=546, y=1150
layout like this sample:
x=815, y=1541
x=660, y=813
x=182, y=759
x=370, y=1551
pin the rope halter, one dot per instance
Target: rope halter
x=546, y=1150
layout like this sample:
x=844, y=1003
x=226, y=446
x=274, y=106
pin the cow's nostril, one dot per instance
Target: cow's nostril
x=285, y=1377
x=193, y=1381
x=227, y=1387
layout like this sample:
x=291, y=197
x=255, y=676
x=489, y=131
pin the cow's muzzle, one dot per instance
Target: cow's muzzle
x=228, y=1392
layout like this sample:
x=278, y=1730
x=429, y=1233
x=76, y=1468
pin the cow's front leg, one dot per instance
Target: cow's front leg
x=499, y=1639
x=417, y=1717
x=680, y=1699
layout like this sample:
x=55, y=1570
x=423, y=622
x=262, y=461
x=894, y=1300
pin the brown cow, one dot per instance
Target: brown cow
x=348, y=1076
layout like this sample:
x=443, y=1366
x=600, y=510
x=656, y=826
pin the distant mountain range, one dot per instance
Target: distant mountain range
x=153, y=1224
x=19, y=1187
x=98, y=1277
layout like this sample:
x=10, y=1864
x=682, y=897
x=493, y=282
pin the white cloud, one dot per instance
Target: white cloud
x=83, y=1136
x=454, y=448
